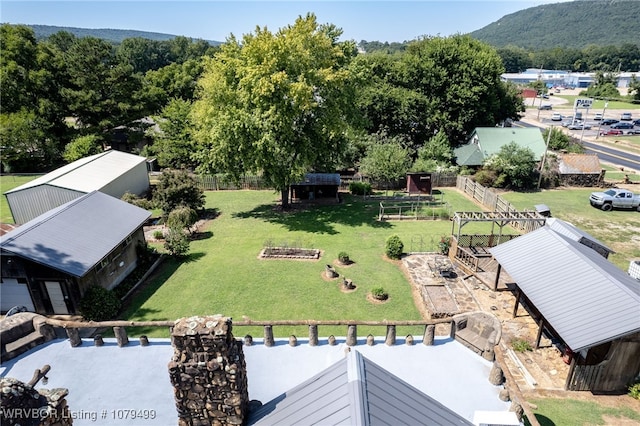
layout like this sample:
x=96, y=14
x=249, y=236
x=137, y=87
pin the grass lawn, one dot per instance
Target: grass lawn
x=618, y=229
x=7, y=183
x=224, y=275
x=560, y=411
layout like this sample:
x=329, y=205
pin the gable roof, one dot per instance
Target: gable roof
x=87, y=174
x=320, y=179
x=576, y=234
x=487, y=141
x=74, y=237
x=579, y=164
x=355, y=390
x=584, y=297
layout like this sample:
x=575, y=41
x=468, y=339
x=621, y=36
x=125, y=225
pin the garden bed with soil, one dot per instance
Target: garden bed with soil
x=289, y=253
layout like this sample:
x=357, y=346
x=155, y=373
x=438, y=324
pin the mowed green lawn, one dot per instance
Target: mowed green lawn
x=224, y=275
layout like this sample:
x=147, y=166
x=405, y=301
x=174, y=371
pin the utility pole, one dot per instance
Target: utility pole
x=544, y=155
x=606, y=103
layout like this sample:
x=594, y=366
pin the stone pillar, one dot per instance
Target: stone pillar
x=97, y=340
x=41, y=407
x=268, y=336
x=429, y=335
x=313, y=335
x=121, y=336
x=409, y=340
x=144, y=341
x=496, y=376
x=370, y=340
x=293, y=340
x=74, y=337
x=208, y=372
x=352, y=335
x=391, y=335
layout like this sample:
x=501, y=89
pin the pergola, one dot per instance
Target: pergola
x=525, y=220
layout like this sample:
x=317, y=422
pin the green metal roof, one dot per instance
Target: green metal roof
x=487, y=141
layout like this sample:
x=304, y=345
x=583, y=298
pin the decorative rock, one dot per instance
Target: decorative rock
x=144, y=341
x=97, y=340
x=504, y=395
x=293, y=340
x=268, y=336
x=248, y=340
x=409, y=340
x=74, y=337
x=370, y=340
x=330, y=272
x=331, y=340
x=121, y=336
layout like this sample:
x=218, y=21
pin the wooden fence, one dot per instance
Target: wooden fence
x=493, y=202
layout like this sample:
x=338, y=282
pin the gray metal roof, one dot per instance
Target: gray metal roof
x=355, y=391
x=320, y=179
x=74, y=237
x=89, y=173
x=583, y=296
x=573, y=232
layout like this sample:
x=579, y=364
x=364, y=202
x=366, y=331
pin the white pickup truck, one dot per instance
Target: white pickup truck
x=615, y=197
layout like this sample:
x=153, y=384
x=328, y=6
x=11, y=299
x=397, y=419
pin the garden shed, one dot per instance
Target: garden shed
x=49, y=262
x=583, y=300
x=316, y=186
x=419, y=183
x=580, y=170
x=110, y=172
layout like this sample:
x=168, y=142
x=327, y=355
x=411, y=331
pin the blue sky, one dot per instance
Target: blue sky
x=215, y=20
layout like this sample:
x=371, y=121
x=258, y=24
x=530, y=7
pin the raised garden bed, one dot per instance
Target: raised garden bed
x=289, y=253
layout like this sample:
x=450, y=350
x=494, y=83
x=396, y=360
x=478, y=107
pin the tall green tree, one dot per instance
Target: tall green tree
x=386, y=160
x=278, y=104
x=174, y=145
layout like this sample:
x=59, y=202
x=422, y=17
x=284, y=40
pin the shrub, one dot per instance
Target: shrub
x=444, y=244
x=394, y=247
x=521, y=345
x=634, y=391
x=177, y=242
x=360, y=188
x=99, y=304
x=485, y=177
x=343, y=257
x=143, y=203
x=379, y=293
x=158, y=234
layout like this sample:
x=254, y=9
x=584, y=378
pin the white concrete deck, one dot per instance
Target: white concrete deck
x=105, y=381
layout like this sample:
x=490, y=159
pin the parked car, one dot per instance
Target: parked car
x=598, y=116
x=610, y=132
x=609, y=121
x=636, y=122
x=556, y=116
x=578, y=126
x=622, y=125
x=626, y=116
x=545, y=107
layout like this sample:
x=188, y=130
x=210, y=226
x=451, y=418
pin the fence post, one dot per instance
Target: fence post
x=74, y=337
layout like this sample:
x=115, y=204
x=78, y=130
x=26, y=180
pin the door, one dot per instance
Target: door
x=14, y=293
x=56, y=296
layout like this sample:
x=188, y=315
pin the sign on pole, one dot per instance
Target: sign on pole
x=583, y=103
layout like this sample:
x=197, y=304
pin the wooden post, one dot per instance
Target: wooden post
x=515, y=307
x=313, y=335
x=121, y=336
x=429, y=334
x=74, y=337
x=97, y=340
x=497, y=280
x=268, y=336
x=540, y=328
x=352, y=335
x=391, y=335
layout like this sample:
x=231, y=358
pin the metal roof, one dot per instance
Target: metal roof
x=584, y=297
x=320, y=179
x=579, y=164
x=89, y=173
x=487, y=141
x=355, y=391
x=74, y=237
x=573, y=232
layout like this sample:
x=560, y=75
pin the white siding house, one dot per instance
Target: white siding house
x=112, y=172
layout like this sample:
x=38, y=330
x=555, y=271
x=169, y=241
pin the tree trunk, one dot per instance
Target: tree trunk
x=285, y=198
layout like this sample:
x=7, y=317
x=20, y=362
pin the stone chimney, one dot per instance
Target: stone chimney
x=208, y=372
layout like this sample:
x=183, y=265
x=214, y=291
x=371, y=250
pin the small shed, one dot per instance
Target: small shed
x=316, y=186
x=419, y=183
x=580, y=170
x=111, y=172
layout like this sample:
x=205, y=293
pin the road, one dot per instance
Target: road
x=616, y=157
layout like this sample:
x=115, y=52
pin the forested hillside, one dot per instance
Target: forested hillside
x=575, y=24
x=108, y=34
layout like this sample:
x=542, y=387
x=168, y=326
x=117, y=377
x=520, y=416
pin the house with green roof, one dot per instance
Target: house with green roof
x=487, y=141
